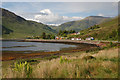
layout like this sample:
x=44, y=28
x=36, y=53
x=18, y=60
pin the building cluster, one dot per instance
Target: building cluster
x=59, y=38
x=90, y=38
x=77, y=33
x=76, y=39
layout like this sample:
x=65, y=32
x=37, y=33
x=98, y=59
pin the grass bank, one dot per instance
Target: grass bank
x=91, y=64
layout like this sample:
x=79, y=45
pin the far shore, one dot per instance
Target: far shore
x=61, y=41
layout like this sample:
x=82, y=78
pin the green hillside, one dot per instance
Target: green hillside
x=14, y=26
x=81, y=24
x=104, y=31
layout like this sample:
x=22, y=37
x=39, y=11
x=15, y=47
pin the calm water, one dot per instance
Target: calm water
x=32, y=46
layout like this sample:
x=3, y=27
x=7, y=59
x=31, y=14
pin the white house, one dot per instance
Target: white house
x=72, y=38
x=78, y=39
x=90, y=38
x=78, y=33
x=56, y=37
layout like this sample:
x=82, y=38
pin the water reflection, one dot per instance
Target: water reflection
x=32, y=46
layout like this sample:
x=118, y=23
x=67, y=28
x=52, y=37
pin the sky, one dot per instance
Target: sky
x=59, y=0
x=55, y=13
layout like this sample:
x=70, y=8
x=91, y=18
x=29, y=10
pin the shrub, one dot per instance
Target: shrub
x=111, y=44
x=19, y=67
x=62, y=60
x=107, y=70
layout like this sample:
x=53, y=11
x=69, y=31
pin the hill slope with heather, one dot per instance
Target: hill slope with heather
x=104, y=31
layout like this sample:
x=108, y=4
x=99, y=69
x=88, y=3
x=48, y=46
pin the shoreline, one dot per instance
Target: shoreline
x=61, y=41
x=54, y=41
x=91, y=42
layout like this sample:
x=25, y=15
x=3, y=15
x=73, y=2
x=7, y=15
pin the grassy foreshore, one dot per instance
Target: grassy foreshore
x=93, y=64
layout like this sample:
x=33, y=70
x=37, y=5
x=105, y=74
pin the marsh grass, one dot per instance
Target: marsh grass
x=103, y=64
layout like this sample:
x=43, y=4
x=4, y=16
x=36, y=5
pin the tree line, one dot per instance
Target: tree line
x=43, y=36
x=64, y=33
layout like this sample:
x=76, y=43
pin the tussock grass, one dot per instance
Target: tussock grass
x=104, y=64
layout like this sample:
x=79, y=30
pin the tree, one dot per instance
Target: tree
x=60, y=31
x=64, y=35
x=114, y=35
x=48, y=36
x=52, y=37
x=65, y=31
x=72, y=31
x=43, y=35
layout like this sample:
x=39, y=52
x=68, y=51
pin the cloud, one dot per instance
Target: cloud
x=46, y=11
x=100, y=14
x=46, y=16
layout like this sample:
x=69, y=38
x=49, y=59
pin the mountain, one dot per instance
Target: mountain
x=6, y=30
x=104, y=31
x=14, y=26
x=81, y=24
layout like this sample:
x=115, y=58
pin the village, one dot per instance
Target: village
x=62, y=35
x=74, y=38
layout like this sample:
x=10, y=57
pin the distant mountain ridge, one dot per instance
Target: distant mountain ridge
x=14, y=26
x=82, y=24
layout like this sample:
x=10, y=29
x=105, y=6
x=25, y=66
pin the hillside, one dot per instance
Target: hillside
x=14, y=26
x=104, y=31
x=81, y=24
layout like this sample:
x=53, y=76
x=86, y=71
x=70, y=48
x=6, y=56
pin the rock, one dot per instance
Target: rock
x=88, y=57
